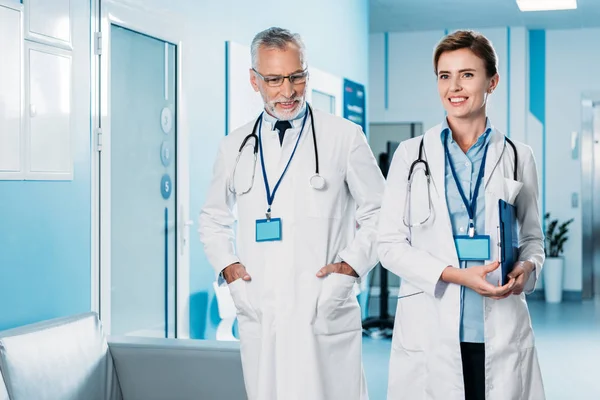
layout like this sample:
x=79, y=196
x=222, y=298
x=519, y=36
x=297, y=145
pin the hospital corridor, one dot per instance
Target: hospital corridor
x=316, y=200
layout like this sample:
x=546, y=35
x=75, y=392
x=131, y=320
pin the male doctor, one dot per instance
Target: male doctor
x=296, y=253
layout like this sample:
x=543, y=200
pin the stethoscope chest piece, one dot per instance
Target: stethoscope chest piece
x=317, y=182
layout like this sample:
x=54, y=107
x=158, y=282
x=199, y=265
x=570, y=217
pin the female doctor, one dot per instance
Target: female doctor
x=460, y=334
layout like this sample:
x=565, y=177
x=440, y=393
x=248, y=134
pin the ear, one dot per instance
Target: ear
x=493, y=83
x=253, y=81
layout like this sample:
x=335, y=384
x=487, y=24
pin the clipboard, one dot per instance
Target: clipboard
x=508, y=239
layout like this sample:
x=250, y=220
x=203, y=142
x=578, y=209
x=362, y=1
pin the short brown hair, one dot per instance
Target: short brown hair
x=474, y=41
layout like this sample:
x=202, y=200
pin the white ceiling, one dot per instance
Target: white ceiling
x=412, y=15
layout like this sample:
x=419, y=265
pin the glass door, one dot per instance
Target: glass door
x=138, y=189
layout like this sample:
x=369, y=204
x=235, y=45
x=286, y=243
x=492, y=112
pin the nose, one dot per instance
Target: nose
x=287, y=89
x=455, y=85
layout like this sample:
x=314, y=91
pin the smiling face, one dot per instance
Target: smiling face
x=283, y=102
x=463, y=84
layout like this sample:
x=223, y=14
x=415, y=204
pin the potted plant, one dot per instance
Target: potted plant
x=556, y=237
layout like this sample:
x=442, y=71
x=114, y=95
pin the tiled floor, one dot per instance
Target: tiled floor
x=568, y=343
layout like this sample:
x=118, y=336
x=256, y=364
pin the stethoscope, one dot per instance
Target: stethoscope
x=316, y=181
x=425, y=164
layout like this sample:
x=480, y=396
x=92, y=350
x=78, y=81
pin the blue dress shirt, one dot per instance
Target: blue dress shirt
x=467, y=169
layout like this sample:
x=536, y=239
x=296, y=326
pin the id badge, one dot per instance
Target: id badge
x=476, y=248
x=268, y=230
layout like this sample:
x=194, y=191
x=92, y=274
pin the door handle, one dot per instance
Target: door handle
x=184, y=230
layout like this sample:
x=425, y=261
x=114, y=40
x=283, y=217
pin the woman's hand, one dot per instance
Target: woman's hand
x=520, y=273
x=474, y=278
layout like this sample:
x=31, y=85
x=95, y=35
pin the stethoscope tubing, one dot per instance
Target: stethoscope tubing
x=253, y=135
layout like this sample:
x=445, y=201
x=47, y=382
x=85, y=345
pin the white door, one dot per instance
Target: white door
x=143, y=188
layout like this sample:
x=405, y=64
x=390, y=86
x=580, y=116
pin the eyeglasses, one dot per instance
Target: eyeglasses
x=277, y=80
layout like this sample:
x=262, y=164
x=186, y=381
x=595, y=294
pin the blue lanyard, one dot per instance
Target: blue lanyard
x=271, y=196
x=471, y=208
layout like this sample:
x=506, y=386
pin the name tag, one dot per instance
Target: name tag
x=268, y=230
x=472, y=248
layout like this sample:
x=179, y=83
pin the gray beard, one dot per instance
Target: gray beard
x=286, y=116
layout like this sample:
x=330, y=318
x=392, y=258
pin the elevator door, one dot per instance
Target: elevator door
x=590, y=163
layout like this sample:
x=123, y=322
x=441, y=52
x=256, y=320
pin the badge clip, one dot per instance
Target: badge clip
x=471, y=228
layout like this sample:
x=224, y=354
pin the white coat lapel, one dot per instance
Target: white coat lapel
x=289, y=143
x=499, y=169
x=434, y=154
x=494, y=154
x=436, y=158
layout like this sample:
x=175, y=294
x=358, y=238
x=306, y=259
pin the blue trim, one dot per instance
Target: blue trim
x=386, y=67
x=508, y=81
x=226, y=88
x=166, y=272
x=537, y=93
x=445, y=31
x=537, y=74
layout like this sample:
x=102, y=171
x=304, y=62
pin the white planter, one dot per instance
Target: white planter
x=553, y=279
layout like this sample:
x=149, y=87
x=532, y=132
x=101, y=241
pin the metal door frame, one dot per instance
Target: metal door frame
x=165, y=27
x=590, y=154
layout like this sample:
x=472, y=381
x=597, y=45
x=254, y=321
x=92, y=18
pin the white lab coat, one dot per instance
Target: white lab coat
x=426, y=358
x=300, y=335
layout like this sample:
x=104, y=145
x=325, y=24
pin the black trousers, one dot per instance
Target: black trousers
x=473, y=361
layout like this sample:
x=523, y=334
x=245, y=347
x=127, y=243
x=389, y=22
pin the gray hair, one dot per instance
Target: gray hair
x=276, y=38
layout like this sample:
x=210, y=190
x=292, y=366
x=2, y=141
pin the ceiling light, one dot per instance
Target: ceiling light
x=546, y=5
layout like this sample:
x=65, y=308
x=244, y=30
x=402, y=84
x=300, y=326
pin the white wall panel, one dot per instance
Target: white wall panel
x=48, y=81
x=10, y=94
x=48, y=21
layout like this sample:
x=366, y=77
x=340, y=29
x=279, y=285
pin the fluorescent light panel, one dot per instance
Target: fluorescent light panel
x=546, y=5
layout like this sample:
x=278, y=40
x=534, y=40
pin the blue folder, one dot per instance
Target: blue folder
x=509, y=238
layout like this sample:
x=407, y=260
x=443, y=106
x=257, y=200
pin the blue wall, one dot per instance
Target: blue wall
x=45, y=232
x=45, y=248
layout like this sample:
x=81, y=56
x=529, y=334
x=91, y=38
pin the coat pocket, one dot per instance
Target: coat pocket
x=248, y=321
x=408, y=380
x=409, y=324
x=511, y=190
x=338, y=310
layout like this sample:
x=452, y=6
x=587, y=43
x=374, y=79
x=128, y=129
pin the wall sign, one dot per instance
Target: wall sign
x=166, y=186
x=166, y=120
x=354, y=103
x=165, y=153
